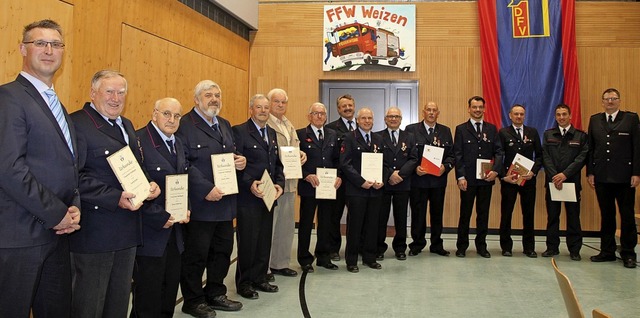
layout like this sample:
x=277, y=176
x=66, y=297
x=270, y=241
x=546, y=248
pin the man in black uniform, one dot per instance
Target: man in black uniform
x=564, y=151
x=523, y=140
x=613, y=169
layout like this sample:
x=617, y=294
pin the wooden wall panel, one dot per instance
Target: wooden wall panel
x=448, y=69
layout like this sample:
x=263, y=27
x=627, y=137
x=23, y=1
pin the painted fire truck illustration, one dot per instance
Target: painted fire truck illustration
x=356, y=41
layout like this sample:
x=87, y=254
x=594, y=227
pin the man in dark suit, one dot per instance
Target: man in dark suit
x=364, y=197
x=564, y=153
x=38, y=182
x=476, y=140
x=613, y=169
x=103, y=253
x=318, y=142
x=156, y=273
x=258, y=143
x=346, y=106
x=400, y=161
x=429, y=188
x=524, y=140
x=209, y=234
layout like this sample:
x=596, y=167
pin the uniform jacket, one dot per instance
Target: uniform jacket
x=401, y=157
x=319, y=155
x=468, y=147
x=529, y=146
x=200, y=142
x=351, y=162
x=291, y=184
x=38, y=173
x=566, y=154
x=441, y=138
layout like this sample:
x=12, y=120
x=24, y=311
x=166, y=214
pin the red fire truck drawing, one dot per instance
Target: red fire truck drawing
x=356, y=41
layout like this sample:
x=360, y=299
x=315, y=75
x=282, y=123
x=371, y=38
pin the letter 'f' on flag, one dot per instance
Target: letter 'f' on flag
x=529, y=58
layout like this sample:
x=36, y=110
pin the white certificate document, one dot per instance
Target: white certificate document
x=268, y=190
x=327, y=178
x=371, y=166
x=432, y=159
x=567, y=194
x=130, y=174
x=177, y=196
x=224, y=173
x=481, y=168
x=290, y=158
x=520, y=166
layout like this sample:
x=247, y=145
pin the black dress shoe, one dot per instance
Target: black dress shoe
x=414, y=252
x=380, y=257
x=270, y=278
x=507, y=253
x=460, y=253
x=248, y=292
x=334, y=256
x=602, y=258
x=401, y=256
x=441, y=252
x=353, y=268
x=374, y=265
x=266, y=287
x=307, y=268
x=575, y=256
x=629, y=263
x=531, y=254
x=221, y=302
x=550, y=253
x=201, y=310
x=484, y=254
x=329, y=265
x=284, y=272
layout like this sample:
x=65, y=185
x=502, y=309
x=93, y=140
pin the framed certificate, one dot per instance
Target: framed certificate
x=483, y=167
x=371, y=169
x=177, y=196
x=327, y=178
x=224, y=173
x=268, y=190
x=130, y=175
x=290, y=158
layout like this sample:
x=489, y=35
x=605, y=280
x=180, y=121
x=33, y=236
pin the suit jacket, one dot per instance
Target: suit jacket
x=341, y=130
x=401, y=157
x=319, y=155
x=105, y=226
x=291, y=185
x=614, y=152
x=566, y=154
x=260, y=156
x=158, y=163
x=351, y=163
x=441, y=138
x=529, y=146
x=468, y=147
x=38, y=173
x=200, y=142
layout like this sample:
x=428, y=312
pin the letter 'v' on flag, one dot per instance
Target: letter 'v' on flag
x=529, y=57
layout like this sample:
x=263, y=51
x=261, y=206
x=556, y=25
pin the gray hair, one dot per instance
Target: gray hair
x=317, y=104
x=278, y=91
x=257, y=97
x=203, y=86
x=100, y=75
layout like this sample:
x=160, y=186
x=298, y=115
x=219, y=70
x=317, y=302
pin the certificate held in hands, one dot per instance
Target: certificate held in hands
x=483, y=167
x=520, y=166
x=268, y=190
x=290, y=158
x=432, y=159
x=371, y=168
x=327, y=178
x=130, y=175
x=224, y=173
x=177, y=196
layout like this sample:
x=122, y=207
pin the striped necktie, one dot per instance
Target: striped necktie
x=56, y=109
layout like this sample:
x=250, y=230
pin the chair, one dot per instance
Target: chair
x=569, y=295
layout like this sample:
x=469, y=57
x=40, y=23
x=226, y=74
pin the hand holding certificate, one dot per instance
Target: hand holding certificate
x=566, y=194
x=268, y=190
x=224, y=173
x=483, y=168
x=176, y=196
x=520, y=167
x=130, y=175
x=371, y=169
x=327, y=177
x=432, y=159
x=290, y=158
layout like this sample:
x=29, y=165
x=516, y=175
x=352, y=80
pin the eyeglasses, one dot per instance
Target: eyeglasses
x=611, y=99
x=394, y=117
x=318, y=114
x=167, y=114
x=42, y=44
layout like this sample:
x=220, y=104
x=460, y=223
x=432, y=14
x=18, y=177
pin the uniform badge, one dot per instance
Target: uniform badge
x=484, y=137
x=375, y=148
x=404, y=147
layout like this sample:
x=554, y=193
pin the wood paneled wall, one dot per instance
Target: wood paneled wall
x=287, y=50
x=161, y=46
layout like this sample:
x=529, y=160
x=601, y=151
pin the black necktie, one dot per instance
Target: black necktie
x=478, y=129
x=564, y=131
x=320, y=136
x=172, y=151
x=518, y=131
x=430, y=131
x=216, y=130
x=393, y=137
x=117, y=128
x=366, y=138
x=350, y=126
x=264, y=134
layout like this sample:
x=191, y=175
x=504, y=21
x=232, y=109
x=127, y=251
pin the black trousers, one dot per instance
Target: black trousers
x=335, y=236
x=253, y=234
x=509, y=193
x=325, y=209
x=38, y=278
x=400, y=201
x=420, y=199
x=608, y=195
x=482, y=196
x=207, y=245
x=574, y=231
x=362, y=228
x=155, y=283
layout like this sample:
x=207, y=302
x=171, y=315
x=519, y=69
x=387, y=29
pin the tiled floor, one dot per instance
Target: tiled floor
x=429, y=285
